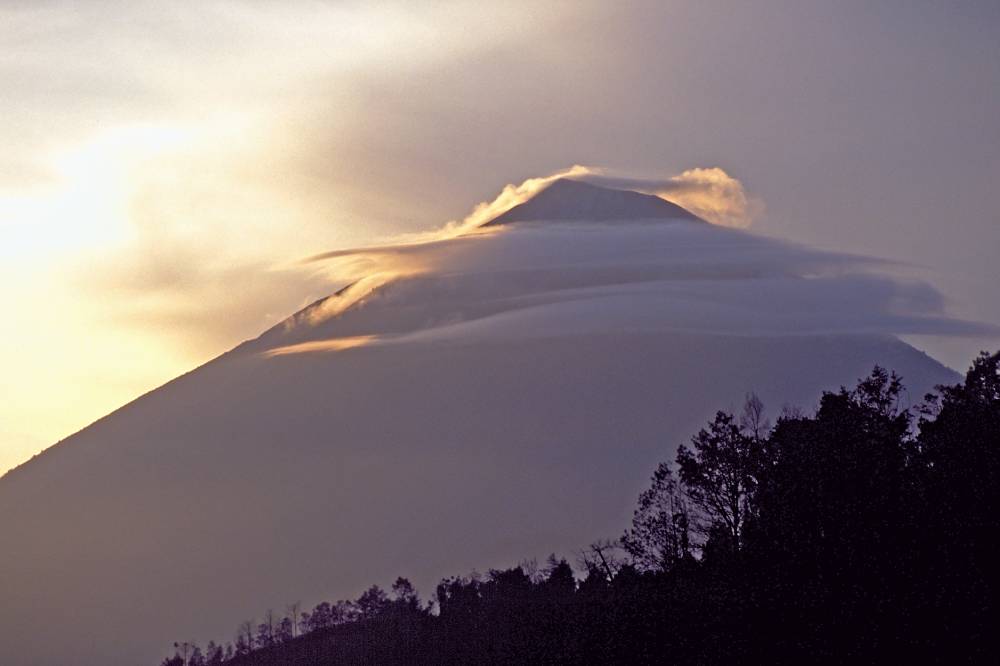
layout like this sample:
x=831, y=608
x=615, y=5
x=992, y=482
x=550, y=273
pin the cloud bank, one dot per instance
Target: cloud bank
x=573, y=279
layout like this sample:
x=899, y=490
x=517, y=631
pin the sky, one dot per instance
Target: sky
x=166, y=166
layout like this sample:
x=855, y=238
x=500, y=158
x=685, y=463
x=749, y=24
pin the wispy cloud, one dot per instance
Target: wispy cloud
x=332, y=345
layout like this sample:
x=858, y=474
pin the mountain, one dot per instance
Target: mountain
x=572, y=200
x=477, y=400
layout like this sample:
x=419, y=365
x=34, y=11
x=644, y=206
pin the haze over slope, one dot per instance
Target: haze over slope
x=470, y=402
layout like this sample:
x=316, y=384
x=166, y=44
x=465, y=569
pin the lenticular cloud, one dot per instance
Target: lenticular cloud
x=577, y=276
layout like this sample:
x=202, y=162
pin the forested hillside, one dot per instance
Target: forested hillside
x=866, y=531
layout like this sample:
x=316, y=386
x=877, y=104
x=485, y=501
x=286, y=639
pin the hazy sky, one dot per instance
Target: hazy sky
x=165, y=164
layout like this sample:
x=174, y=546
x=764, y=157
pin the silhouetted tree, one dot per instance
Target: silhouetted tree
x=320, y=618
x=404, y=595
x=833, y=534
x=184, y=650
x=959, y=446
x=266, y=630
x=214, y=654
x=753, y=421
x=660, y=525
x=294, y=616
x=244, y=638
x=283, y=631
x=718, y=474
x=373, y=602
x=602, y=558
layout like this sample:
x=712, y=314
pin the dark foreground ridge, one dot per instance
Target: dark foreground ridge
x=863, y=533
x=571, y=200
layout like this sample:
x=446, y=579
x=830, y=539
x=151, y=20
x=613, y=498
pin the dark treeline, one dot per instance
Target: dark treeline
x=866, y=531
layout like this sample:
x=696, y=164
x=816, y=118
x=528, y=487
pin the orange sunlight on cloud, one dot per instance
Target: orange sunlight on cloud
x=332, y=345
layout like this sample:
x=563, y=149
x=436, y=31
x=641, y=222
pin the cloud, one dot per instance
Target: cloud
x=605, y=278
x=709, y=193
x=333, y=345
x=511, y=195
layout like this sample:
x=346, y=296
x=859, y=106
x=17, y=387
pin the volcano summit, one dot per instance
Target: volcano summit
x=572, y=200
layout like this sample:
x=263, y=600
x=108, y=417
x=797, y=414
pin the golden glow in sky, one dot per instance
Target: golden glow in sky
x=166, y=166
x=158, y=183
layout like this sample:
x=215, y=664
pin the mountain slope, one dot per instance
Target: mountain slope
x=497, y=396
